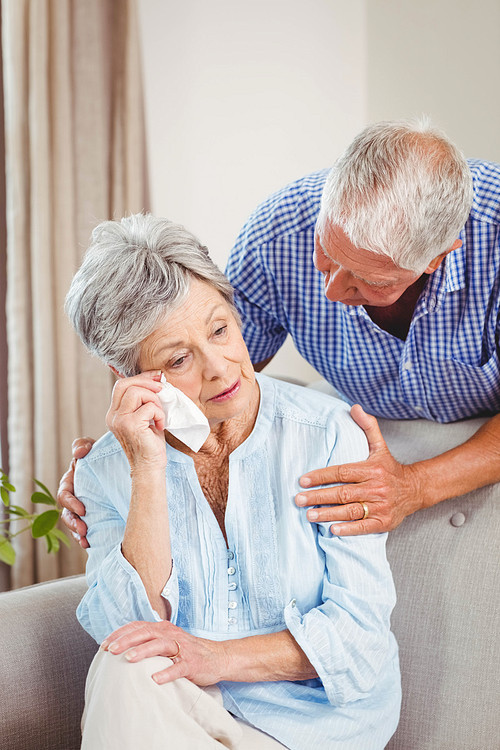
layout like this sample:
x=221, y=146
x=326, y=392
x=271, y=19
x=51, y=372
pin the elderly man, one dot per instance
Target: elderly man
x=385, y=272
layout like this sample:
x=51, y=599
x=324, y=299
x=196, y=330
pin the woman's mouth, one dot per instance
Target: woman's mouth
x=228, y=393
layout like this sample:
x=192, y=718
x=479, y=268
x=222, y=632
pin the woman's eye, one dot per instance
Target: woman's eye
x=220, y=331
x=177, y=362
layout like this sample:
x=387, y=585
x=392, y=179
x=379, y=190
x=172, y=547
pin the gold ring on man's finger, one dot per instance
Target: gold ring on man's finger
x=365, y=511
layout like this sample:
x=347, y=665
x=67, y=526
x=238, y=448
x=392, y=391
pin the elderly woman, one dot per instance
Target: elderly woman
x=226, y=619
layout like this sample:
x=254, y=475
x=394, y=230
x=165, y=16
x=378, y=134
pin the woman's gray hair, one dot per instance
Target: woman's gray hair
x=135, y=272
x=401, y=189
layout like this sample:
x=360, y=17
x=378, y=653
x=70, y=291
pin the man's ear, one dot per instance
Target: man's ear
x=436, y=262
x=115, y=371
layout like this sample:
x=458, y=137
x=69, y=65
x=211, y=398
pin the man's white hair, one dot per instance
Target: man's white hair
x=401, y=189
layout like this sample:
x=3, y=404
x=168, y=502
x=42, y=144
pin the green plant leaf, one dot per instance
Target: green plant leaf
x=44, y=488
x=5, y=496
x=16, y=510
x=41, y=497
x=7, y=486
x=55, y=541
x=7, y=551
x=44, y=523
x=62, y=536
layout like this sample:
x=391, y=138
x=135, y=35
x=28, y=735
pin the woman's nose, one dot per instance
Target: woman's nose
x=214, y=366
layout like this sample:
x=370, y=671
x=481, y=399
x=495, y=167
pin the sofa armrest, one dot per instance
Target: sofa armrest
x=445, y=562
x=44, y=660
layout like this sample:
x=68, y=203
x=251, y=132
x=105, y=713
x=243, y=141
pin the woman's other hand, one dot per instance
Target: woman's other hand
x=73, y=509
x=137, y=420
x=200, y=660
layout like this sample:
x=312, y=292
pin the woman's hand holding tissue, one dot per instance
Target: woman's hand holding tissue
x=137, y=420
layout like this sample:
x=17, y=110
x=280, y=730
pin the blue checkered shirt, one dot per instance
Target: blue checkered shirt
x=447, y=368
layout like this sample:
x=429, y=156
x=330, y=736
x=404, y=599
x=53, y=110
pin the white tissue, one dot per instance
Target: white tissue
x=182, y=417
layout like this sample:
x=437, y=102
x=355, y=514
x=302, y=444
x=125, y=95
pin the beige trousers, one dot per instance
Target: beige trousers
x=126, y=710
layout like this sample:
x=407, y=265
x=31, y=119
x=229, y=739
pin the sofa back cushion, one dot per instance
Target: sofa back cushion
x=44, y=660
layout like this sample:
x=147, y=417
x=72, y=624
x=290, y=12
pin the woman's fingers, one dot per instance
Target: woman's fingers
x=135, y=633
x=149, y=380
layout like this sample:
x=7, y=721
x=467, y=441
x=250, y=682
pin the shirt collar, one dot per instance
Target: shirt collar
x=453, y=267
x=449, y=277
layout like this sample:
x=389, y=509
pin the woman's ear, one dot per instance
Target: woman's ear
x=436, y=262
x=115, y=371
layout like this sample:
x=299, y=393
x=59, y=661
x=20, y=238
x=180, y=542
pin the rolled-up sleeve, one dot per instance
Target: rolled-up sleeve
x=116, y=594
x=347, y=637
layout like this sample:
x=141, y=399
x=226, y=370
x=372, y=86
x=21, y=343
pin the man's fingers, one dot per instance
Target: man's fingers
x=350, y=512
x=370, y=427
x=74, y=522
x=343, y=494
x=81, y=446
x=369, y=526
x=67, y=500
x=345, y=474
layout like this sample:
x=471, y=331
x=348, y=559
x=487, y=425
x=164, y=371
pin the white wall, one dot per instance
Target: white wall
x=442, y=58
x=241, y=98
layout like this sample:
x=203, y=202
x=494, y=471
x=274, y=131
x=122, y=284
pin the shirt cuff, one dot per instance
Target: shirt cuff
x=305, y=634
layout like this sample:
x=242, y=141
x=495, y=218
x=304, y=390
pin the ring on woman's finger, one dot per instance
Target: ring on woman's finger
x=177, y=653
x=365, y=511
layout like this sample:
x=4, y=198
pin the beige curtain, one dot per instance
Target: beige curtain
x=75, y=155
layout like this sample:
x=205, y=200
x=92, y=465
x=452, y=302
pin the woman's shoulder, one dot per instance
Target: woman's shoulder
x=302, y=404
x=104, y=459
x=107, y=445
x=317, y=424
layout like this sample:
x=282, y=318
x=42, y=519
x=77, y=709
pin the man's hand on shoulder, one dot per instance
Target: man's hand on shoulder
x=373, y=495
x=73, y=509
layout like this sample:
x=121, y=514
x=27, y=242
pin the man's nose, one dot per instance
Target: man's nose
x=337, y=283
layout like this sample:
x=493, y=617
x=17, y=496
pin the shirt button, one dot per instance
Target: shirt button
x=232, y=605
x=232, y=620
x=457, y=519
x=231, y=571
x=407, y=366
x=230, y=555
x=419, y=408
x=294, y=602
x=232, y=586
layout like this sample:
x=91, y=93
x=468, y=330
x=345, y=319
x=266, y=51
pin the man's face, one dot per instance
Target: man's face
x=354, y=276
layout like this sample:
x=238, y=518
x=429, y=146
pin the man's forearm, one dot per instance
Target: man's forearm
x=473, y=464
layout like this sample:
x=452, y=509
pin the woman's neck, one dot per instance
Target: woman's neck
x=227, y=435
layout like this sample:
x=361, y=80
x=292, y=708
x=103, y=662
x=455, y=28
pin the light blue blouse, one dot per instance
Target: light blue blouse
x=335, y=595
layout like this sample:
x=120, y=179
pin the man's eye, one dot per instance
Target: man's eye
x=220, y=331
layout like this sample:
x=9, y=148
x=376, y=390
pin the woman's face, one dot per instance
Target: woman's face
x=200, y=350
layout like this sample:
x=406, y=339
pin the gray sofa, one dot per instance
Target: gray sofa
x=446, y=564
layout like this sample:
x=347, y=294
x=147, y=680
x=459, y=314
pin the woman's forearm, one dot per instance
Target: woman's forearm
x=146, y=542
x=266, y=658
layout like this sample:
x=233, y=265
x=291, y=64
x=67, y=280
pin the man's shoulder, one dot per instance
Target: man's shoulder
x=486, y=180
x=290, y=210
